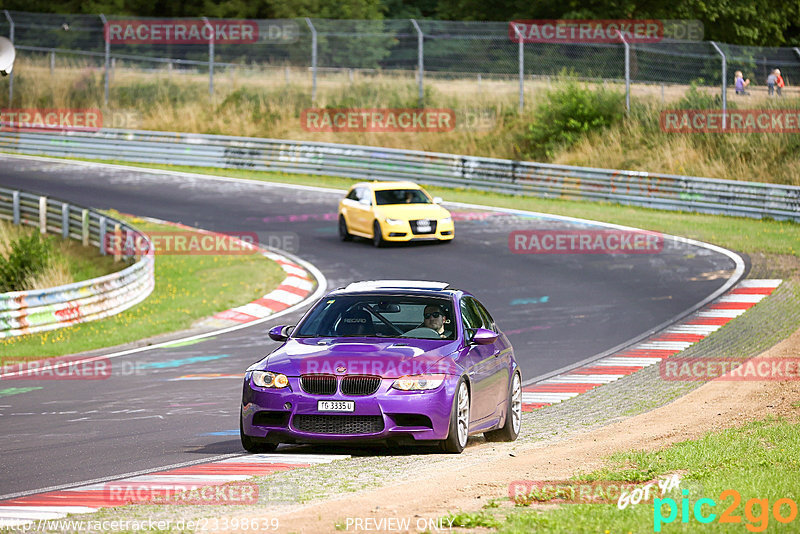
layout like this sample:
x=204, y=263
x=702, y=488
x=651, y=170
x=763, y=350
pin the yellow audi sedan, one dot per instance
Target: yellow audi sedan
x=393, y=211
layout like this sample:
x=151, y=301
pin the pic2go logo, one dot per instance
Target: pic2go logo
x=756, y=511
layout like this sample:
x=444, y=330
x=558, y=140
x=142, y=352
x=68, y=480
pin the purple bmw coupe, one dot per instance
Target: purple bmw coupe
x=401, y=362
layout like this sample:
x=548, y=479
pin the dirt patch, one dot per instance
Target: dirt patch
x=484, y=470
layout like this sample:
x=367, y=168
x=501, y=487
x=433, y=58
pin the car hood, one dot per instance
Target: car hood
x=387, y=359
x=413, y=211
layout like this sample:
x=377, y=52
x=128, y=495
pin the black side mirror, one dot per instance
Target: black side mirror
x=280, y=333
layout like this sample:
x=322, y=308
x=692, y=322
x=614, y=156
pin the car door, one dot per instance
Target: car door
x=499, y=368
x=357, y=210
x=479, y=365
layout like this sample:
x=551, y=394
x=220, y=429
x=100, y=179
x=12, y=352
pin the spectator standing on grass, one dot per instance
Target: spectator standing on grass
x=779, y=81
x=771, y=80
x=740, y=83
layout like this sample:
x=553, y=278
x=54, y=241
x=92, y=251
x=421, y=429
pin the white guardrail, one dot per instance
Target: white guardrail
x=662, y=191
x=26, y=312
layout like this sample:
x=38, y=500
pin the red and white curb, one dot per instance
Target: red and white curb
x=295, y=288
x=89, y=498
x=671, y=341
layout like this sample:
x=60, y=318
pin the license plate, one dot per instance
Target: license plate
x=335, y=406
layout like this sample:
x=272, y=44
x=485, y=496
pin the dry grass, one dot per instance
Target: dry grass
x=260, y=102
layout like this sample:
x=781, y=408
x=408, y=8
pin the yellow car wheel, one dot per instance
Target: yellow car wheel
x=344, y=234
x=377, y=235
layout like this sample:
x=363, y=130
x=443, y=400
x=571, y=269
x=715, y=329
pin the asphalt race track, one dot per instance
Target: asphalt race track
x=557, y=309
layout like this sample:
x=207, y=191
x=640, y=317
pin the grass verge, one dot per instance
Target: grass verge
x=735, y=233
x=188, y=288
x=757, y=461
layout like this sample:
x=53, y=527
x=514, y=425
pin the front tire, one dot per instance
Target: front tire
x=377, y=235
x=459, y=421
x=250, y=445
x=344, y=234
x=510, y=430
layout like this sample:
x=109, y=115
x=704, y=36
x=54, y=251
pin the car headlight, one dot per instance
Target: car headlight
x=394, y=221
x=418, y=382
x=266, y=379
x=446, y=220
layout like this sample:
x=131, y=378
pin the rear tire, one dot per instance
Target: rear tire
x=459, y=421
x=510, y=429
x=344, y=234
x=377, y=236
x=250, y=445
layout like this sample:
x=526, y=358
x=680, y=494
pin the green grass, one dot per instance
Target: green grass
x=188, y=288
x=735, y=233
x=760, y=460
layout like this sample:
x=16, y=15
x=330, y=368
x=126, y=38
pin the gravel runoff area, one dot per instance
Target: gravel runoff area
x=766, y=324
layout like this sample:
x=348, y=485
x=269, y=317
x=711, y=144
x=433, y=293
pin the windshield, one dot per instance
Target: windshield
x=401, y=196
x=375, y=315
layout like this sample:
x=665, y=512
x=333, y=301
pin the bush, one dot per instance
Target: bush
x=28, y=257
x=696, y=99
x=566, y=114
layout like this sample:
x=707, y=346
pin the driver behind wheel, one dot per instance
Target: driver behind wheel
x=435, y=319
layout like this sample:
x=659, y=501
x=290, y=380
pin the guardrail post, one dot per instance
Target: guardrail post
x=10, y=74
x=85, y=227
x=521, y=59
x=313, y=60
x=42, y=215
x=107, y=39
x=420, y=61
x=210, y=58
x=52, y=61
x=102, y=225
x=15, y=206
x=64, y=220
x=117, y=242
x=724, y=83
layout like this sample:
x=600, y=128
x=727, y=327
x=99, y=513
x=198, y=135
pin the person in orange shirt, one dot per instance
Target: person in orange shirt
x=778, y=81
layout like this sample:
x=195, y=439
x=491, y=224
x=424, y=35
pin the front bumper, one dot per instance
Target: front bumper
x=398, y=416
x=404, y=232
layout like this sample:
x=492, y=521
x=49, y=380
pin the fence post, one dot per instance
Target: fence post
x=15, y=206
x=627, y=72
x=85, y=227
x=102, y=237
x=313, y=60
x=10, y=74
x=42, y=215
x=64, y=220
x=210, y=57
x=521, y=58
x=117, y=242
x=52, y=61
x=420, y=61
x=724, y=81
x=107, y=39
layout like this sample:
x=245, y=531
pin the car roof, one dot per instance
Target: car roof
x=382, y=186
x=396, y=284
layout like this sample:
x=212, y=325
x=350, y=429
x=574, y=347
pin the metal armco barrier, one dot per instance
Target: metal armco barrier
x=26, y=312
x=662, y=191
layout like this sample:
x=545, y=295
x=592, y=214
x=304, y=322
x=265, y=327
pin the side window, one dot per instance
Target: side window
x=469, y=315
x=353, y=195
x=488, y=322
x=364, y=196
